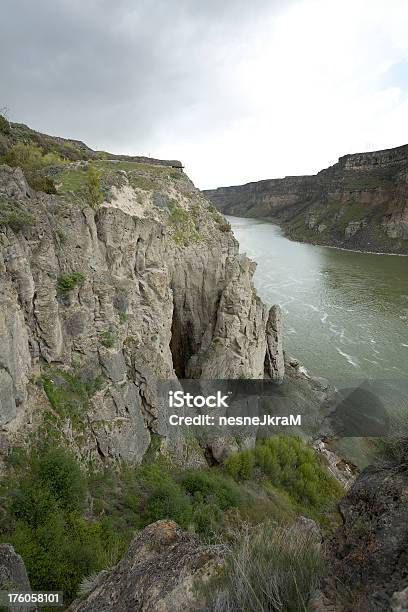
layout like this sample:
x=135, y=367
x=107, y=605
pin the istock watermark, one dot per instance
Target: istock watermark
x=350, y=408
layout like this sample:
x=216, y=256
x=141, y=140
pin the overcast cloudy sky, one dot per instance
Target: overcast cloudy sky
x=237, y=90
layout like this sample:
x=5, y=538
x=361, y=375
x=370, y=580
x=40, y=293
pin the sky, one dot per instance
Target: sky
x=237, y=90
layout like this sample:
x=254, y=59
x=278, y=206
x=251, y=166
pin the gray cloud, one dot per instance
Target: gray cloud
x=121, y=74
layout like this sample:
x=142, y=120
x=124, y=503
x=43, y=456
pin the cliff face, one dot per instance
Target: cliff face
x=359, y=203
x=96, y=305
x=367, y=555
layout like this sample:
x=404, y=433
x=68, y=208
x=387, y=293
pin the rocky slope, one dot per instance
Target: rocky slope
x=359, y=203
x=97, y=304
x=368, y=554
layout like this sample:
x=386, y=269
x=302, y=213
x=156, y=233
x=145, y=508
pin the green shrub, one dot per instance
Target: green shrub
x=93, y=190
x=268, y=568
x=31, y=160
x=68, y=394
x=206, y=485
x=165, y=497
x=290, y=465
x=45, y=526
x=67, y=282
x=39, y=182
x=107, y=338
x=141, y=182
x=240, y=465
x=15, y=216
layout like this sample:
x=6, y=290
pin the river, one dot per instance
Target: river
x=346, y=313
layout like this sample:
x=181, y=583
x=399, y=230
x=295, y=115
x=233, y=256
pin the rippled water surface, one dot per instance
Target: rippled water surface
x=346, y=313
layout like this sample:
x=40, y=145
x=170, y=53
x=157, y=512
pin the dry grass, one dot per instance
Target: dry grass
x=269, y=568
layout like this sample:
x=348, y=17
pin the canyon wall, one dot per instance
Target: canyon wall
x=97, y=304
x=359, y=203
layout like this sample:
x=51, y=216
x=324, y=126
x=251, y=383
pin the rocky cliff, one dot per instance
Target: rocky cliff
x=358, y=203
x=98, y=302
x=367, y=555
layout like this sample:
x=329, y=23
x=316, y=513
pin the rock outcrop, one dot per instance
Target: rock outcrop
x=358, y=203
x=13, y=574
x=96, y=305
x=368, y=555
x=160, y=571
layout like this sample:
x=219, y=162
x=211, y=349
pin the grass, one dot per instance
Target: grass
x=268, y=568
x=182, y=223
x=71, y=180
x=141, y=182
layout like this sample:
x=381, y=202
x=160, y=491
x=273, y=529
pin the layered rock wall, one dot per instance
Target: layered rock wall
x=358, y=203
x=97, y=305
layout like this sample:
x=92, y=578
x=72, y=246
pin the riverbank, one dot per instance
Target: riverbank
x=329, y=246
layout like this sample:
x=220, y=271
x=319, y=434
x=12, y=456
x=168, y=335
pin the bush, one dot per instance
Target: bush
x=107, y=338
x=93, y=191
x=268, y=568
x=196, y=499
x=31, y=160
x=15, y=216
x=240, y=465
x=288, y=464
x=67, y=282
x=39, y=182
x=68, y=394
x=206, y=485
x=58, y=546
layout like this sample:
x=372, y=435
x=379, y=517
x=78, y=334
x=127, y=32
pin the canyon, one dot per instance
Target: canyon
x=115, y=273
x=359, y=203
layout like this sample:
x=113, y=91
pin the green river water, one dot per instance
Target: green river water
x=346, y=313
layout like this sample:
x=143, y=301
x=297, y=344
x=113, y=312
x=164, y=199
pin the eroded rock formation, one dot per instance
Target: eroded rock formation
x=97, y=305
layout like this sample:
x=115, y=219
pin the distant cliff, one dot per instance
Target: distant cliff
x=359, y=203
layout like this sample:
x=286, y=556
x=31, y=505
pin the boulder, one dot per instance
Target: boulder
x=158, y=572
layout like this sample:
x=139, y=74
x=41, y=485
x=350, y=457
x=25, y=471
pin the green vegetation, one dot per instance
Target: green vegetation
x=67, y=282
x=67, y=525
x=44, y=499
x=15, y=216
x=107, y=338
x=71, y=180
x=221, y=221
x=68, y=394
x=94, y=195
x=84, y=183
x=287, y=464
x=185, y=231
x=268, y=568
x=34, y=163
